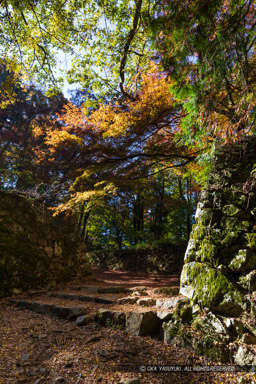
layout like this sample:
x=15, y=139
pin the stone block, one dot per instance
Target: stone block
x=142, y=324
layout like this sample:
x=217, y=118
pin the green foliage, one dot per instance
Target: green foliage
x=209, y=49
x=93, y=34
x=114, y=159
x=165, y=215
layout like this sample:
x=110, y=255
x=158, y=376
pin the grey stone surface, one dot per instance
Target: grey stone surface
x=146, y=302
x=81, y=320
x=127, y=300
x=170, y=333
x=167, y=291
x=244, y=356
x=129, y=380
x=235, y=326
x=216, y=322
x=142, y=324
x=165, y=314
x=171, y=303
x=110, y=318
x=249, y=281
x=77, y=311
x=41, y=308
x=220, y=259
x=61, y=312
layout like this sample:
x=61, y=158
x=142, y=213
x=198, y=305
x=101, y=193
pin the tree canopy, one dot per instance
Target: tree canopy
x=163, y=82
x=208, y=47
x=107, y=40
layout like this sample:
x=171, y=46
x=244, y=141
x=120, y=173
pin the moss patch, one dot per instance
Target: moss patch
x=244, y=260
x=208, y=287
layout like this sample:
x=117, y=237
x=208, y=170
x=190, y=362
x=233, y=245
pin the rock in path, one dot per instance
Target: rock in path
x=127, y=300
x=129, y=380
x=146, y=302
x=142, y=324
x=110, y=318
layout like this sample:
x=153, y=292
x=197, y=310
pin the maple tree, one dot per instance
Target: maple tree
x=140, y=118
x=165, y=81
x=208, y=48
x=124, y=133
x=20, y=140
x=117, y=148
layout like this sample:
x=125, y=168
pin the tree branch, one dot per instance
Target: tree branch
x=130, y=37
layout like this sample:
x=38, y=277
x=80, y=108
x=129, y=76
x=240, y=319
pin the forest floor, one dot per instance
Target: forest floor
x=40, y=348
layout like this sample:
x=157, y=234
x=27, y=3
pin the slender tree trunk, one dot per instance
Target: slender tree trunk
x=119, y=239
x=81, y=215
x=159, y=213
x=138, y=215
x=187, y=203
x=84, y=225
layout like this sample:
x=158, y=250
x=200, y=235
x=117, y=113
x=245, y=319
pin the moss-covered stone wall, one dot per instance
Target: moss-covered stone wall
x=219, y=270
x=218, y=278
x=36, y=249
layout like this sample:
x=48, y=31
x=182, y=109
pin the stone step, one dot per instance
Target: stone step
x=69, y=296
x=145, y=323
x=167, y=291
x=68, y=313
x=141, y=290
x=135, y=323
x=95, y=289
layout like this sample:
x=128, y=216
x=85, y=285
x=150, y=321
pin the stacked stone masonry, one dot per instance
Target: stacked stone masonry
x=36, y=249
x=219, y=270
x=218, y=278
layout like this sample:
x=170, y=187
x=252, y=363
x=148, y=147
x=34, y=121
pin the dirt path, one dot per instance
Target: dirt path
x=132, y=279
x=40, y=348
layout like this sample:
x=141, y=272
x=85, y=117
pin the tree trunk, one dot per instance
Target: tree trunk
x=84, y=231
x=138, y=215
x=159, y=213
